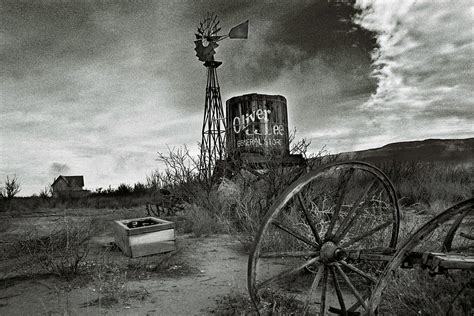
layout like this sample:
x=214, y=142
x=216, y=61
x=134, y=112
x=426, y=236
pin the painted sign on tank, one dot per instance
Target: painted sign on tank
x=257, y=123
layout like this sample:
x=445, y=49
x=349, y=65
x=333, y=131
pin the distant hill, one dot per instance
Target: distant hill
x=431, y=150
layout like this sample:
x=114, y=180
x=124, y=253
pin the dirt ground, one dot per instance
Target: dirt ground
x=214, y=267
x=193, y=278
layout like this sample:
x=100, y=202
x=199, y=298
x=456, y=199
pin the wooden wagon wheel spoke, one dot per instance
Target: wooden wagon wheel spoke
x=289, y=254
x=366, y=234
x=461, y=249
x=358, y=271
x=340, y=298
x=470, y=237
x=294, y=233
x=352, y=287
x=307, y=215
x=353, y=214
x=356, y=305
x=450, y=235
x=341, y=193
x=455, y=227
x=322, y=308
x=287, y=273
x=313, y=287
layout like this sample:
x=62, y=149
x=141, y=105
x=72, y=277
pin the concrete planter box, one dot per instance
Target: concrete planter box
x=157, y=236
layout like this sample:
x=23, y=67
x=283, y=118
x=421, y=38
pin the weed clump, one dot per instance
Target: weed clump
x=62, y=251
x=415, y=292
x=239, y=304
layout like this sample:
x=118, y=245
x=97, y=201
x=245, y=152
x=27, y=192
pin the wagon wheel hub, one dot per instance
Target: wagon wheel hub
x=330, y=252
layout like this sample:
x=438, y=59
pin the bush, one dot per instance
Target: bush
x=139, y=189
x=238, y=205
x=8, y=192
x=62, y=251
x=124, y=189
x=415, y=292
x=11, y=188
x=110, y=282
x=200, y=222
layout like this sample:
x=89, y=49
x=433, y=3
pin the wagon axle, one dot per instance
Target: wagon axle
x=330, y=252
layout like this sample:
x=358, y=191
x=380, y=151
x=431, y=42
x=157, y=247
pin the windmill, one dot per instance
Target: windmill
x=213, y=126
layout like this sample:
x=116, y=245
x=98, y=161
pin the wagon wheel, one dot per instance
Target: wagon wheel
x=151, y=211
x=429, y=233
x=460, y=237
x=314, y=237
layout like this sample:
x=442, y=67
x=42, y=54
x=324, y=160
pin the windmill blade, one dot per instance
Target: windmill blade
x=214, y=20
x=208, y=20
x=216, y=27
x=240, y=31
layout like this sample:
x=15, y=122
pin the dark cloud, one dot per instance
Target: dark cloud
x=322, y=27
x=41, y=33
x=57, y=168
x=308, y=31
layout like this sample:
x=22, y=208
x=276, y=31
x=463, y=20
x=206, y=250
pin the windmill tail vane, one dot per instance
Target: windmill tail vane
x=240, y=31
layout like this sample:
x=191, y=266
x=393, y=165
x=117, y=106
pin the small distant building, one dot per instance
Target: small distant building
x=68, y=186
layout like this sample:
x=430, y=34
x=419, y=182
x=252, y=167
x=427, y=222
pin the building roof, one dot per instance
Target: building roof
x=71, y=181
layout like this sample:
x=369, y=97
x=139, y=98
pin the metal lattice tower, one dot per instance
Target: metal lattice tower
x=213, y=127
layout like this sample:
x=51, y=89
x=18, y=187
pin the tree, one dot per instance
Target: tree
x=46, y=192
x=11, y=188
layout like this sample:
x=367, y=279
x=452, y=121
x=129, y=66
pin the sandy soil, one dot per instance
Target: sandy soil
x=213, y=267
x=202, y=270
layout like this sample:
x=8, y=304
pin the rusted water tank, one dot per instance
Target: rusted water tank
x=257, y=124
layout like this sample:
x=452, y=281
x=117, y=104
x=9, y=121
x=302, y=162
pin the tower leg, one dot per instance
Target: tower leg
x=213, y=128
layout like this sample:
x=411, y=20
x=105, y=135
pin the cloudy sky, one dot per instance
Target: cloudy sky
x=97, y=88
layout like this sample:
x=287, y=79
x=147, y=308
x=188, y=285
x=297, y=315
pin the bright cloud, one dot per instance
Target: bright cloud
x=424, y=60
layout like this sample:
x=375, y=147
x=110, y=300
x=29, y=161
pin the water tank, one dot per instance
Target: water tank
x=257, y=124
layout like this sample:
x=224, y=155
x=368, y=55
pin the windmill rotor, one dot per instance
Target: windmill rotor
x=205, y=53
x=207, y=36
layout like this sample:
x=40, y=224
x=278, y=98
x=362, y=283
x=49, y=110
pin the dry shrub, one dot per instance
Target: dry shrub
x=110, y=282
x=200, y=222
x=237, y=303
x=415, y=292
x=239, y=204
x=62, y=250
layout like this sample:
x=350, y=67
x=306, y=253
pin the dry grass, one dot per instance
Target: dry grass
x=200, y=222
x=415, y=292
x=430, y=184
x=237, y=303
x=62, y=250
x=109, y=280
